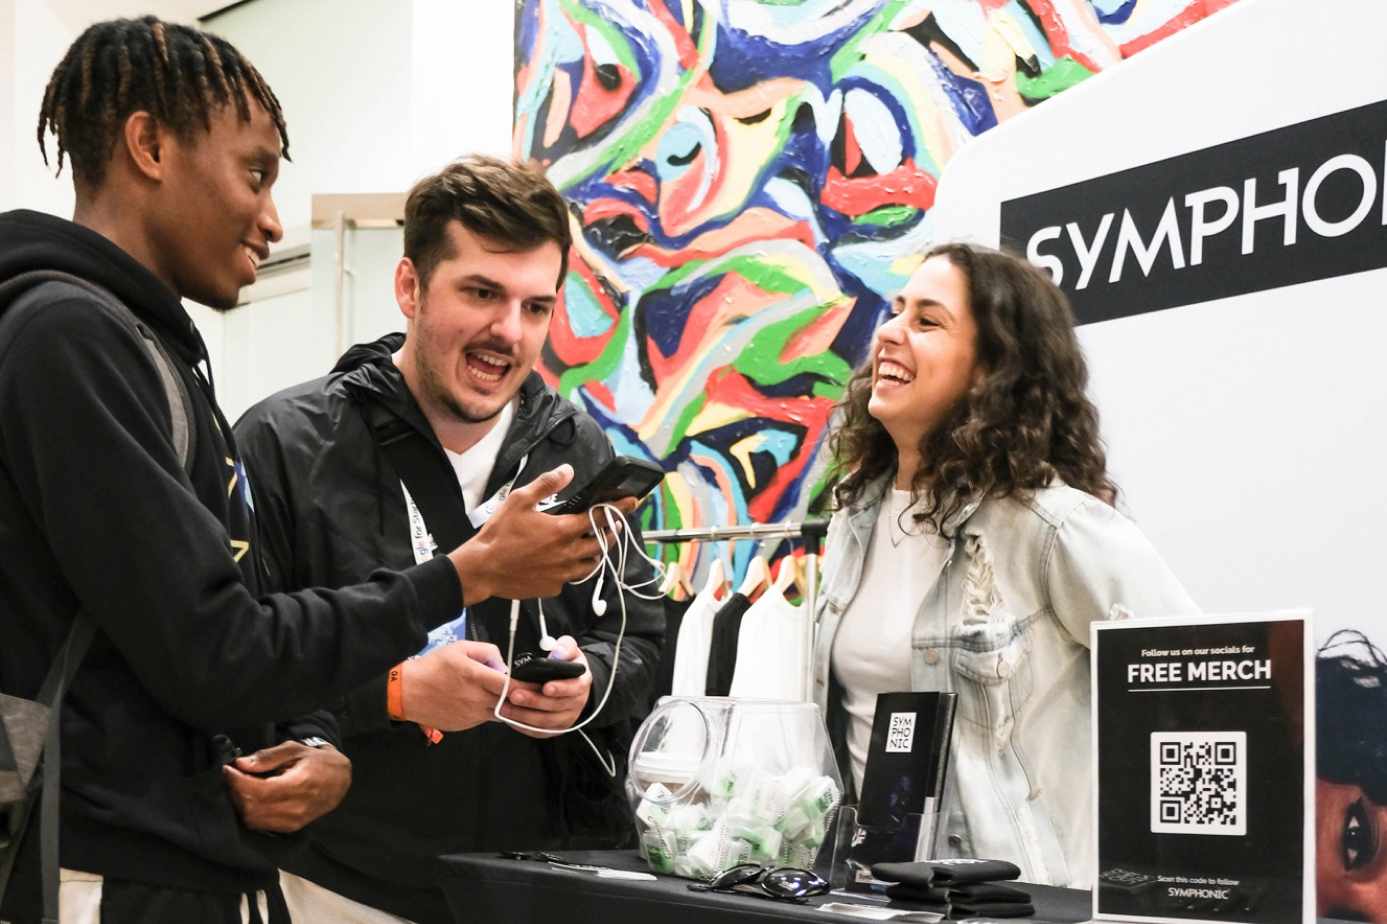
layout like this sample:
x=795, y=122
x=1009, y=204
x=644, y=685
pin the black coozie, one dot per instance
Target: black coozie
x=987, y=892
x=951, y=871
x=919, y=875
x=992, y=910
x=910, y=893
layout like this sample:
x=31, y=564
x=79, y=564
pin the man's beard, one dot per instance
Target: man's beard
x=433, y=385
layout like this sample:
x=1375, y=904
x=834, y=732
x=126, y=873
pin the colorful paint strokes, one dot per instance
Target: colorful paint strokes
x=753, y=180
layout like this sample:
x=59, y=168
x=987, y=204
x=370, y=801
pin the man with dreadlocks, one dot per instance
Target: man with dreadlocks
x=124, y=509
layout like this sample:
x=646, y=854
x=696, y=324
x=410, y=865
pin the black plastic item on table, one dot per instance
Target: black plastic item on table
x=992, y=910
x=950, y=871
x=986, y=892
x=933, y=895
x=782, y=883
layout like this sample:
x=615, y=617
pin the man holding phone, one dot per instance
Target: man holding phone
x=421, y=437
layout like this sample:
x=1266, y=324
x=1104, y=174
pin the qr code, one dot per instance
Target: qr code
x=900, y=736
x=1199, y=783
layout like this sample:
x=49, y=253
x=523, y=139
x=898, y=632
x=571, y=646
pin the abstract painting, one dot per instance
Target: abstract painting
x=753, y=180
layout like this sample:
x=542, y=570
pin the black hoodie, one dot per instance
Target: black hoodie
x=331, y=510
x=98, y=516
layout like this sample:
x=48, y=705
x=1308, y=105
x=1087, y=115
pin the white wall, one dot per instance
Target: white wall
x=341, y=71
x=463, y=55
x=376, y=94
x=1248, y=432
x=37, y=38
x=7, y=101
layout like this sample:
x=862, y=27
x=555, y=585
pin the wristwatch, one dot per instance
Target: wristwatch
x=314, y=741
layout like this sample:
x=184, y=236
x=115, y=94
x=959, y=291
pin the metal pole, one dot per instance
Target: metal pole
x=722, y=533
x=339, y=227
x=811, y=575
x=814, y=533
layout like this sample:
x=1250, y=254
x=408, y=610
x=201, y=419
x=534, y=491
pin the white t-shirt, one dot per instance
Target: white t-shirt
x=474, y=466
x=695, y=640
x=771, y=646
x=872, y=650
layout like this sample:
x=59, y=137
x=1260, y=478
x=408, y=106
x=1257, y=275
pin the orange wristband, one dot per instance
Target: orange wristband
x=395, y=702
x=395, y=693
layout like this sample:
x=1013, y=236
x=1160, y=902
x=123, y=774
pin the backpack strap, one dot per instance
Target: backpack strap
x=51, y=694
x=425, y=472
x=38, y=284
x=60, y=676
x=46, y=788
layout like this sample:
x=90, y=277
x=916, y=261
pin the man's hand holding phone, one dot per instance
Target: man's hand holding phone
x=622, y=478
x=454, y=687
x=556, y=704
x=522, y=553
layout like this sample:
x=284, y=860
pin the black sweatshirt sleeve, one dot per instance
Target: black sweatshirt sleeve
x=274, y=543
x=363, y=710
x=85, y=428
x=320, y=724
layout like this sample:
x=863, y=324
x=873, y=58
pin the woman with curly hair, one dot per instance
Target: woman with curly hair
x=974, y=541
x=1351, y=784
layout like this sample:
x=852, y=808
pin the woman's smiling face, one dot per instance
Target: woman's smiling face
x=1350, y=859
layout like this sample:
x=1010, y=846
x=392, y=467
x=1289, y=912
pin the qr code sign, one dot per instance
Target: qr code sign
x=1199, y=783
x=900, y=736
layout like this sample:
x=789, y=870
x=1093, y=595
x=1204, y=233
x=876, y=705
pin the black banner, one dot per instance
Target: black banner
x=1291, y=205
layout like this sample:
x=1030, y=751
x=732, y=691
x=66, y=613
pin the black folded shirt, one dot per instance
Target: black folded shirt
x=987, y=892
x=933, y=895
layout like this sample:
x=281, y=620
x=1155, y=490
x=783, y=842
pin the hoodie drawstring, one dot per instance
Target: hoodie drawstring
x=202, y=372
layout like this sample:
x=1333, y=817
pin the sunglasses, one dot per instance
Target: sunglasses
x=781, y=883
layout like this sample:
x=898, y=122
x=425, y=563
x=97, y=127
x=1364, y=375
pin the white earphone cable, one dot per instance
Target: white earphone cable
x=625, y=540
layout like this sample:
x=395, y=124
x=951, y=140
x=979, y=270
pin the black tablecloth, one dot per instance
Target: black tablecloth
x=484, y=887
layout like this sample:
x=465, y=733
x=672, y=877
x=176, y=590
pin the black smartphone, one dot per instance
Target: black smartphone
x=538, y=667
x=624, y=476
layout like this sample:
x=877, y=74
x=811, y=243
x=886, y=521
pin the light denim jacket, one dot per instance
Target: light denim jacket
x=1006, y=626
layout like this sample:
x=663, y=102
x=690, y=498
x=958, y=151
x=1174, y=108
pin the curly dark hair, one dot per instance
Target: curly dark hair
x=1351, y=704
x=178, y=74
x=1025, y=421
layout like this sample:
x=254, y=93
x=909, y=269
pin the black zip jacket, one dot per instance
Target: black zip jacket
x=330, y=510
x=98, y=516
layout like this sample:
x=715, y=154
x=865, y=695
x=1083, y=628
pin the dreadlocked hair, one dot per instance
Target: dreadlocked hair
x=178, y=74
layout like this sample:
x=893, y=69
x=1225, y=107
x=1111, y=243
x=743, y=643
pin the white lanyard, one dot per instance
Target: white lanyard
x=422, y=541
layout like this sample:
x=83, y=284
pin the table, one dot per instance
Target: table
x=484, y=887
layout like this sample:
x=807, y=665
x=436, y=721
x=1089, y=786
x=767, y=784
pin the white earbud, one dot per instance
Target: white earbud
x=599, y=606
x=547, y=642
